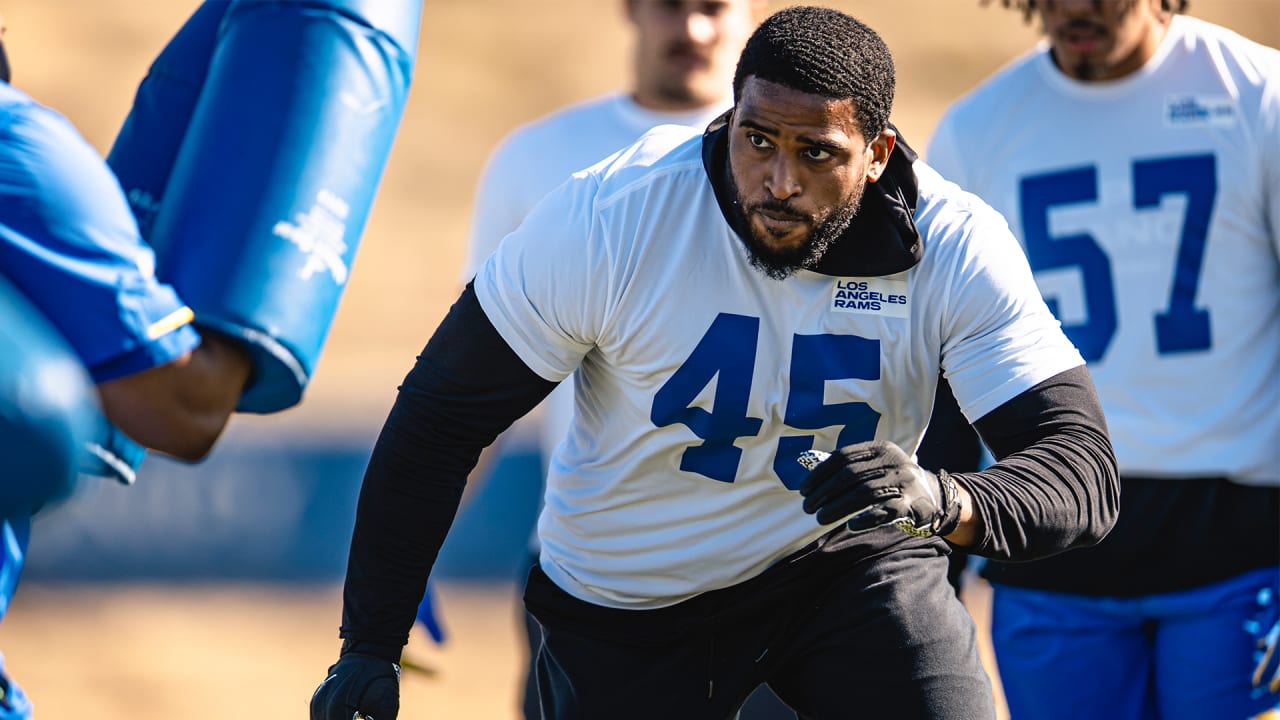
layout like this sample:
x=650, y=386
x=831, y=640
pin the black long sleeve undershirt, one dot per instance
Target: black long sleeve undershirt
x=466, y=387
x=1054, y=488
x=1055, y=485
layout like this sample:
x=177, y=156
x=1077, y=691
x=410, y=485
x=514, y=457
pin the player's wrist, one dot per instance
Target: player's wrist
x=950, y=507
x=383, y=651
x=967, y=530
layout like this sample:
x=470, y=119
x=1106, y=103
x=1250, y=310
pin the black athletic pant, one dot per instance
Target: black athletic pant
x=834, y=636
x=761, y=705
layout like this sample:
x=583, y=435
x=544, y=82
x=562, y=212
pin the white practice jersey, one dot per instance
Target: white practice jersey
x=1149, y=208
x=532, y=161
x=699, y=380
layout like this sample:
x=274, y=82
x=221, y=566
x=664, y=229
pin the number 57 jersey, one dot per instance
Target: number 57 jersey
x=1149, y=208
x=700, y=380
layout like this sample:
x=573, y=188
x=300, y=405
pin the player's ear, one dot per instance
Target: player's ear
x=881, y=148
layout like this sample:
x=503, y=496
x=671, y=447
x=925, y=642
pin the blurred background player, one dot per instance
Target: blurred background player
x=1136, y=154
x=166, y=376
x=684, y=55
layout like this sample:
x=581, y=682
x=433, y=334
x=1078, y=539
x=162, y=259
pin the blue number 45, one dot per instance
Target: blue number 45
x=726, y=354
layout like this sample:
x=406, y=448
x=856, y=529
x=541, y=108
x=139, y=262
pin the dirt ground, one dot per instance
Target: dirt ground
x=484, y=66
x=157, y=652
x=148, y=652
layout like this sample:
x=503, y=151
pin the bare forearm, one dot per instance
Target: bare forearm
x=180, y=408
x=971, y=528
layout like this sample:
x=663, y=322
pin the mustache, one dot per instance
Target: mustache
x=681, y=49
x=778, y=207
x=1083, y=24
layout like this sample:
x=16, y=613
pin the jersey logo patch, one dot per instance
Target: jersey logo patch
x=871, y=296
x=318, y=234
x=1191, y=111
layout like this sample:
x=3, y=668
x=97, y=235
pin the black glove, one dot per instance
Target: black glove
x=358, y=686
x=876, y=484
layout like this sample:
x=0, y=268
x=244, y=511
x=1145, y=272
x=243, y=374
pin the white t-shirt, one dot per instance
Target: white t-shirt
x=1150, y=210
x=698, y=379
x=532, y=161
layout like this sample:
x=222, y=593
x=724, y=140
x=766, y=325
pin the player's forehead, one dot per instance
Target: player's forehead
x=712, y=8
x=778, y=110
x=1104, y=11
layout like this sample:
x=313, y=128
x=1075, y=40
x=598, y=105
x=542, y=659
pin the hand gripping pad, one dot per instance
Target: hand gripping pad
x=48, y=408
x=259, y=221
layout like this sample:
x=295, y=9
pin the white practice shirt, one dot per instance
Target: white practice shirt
x=532, y=161
x=1149, y=207
x=699, y=379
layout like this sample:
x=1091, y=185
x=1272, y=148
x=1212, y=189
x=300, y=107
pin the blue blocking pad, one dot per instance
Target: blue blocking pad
x=48, y=408
x=143, y=152
x=281, y=150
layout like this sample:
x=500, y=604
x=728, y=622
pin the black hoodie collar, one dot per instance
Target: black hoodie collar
x=881, y=240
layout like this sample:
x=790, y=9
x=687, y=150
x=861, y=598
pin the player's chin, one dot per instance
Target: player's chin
x=777, y=260
x=777, y=238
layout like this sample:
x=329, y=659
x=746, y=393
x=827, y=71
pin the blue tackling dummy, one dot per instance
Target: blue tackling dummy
x=252, y=155
x=251, y=158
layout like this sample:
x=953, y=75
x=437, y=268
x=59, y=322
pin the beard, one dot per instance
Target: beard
x=1090, y=69
x=1087, y=71
x=782, y=264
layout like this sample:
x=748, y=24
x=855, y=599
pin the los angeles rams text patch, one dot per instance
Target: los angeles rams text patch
x=1198, y=111
x=871, y=296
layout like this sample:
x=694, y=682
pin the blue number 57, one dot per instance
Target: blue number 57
x=1181, y=327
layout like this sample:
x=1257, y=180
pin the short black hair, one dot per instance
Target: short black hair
x=823, y=52
x=1028, y=7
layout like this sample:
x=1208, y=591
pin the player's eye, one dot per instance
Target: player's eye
x=714, y=9
x=817, y=153
x=758, y=141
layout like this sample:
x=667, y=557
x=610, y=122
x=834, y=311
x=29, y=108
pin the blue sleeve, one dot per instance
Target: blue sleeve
x=69, y=242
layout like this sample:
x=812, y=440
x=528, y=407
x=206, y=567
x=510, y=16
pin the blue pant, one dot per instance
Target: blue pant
x=14, y=704
x=1173, y=656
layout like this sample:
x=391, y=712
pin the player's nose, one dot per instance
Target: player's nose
x=699, y=27
x=780, y=178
